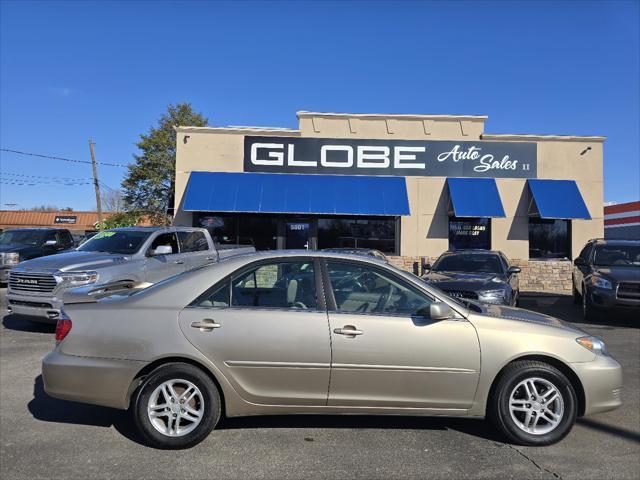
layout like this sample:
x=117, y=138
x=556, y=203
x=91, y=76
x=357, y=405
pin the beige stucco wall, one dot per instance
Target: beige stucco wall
x=425, y=231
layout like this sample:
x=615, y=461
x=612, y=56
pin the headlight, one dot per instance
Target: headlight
x=601, y=282
x=492, y=296
x=78, y=278
x=9, y=259
x=593, y=344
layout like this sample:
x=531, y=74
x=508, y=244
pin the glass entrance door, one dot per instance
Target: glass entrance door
x=297, y=235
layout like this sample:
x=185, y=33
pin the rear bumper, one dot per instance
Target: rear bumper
x=602, y=383
x=98, y=381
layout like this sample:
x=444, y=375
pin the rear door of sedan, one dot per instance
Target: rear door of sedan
x=385, y=353
x=266, y=328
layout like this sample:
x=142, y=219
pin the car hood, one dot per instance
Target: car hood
x=74, y=260
x=464, y=281
x=620, y=274
x=526, y=316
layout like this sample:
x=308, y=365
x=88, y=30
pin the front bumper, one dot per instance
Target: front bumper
x=604, y=299
x=41, y=308
x=602, y=383
x=98, y=381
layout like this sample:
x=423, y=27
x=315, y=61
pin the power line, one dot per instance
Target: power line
x=61, y=158
x=43, y=176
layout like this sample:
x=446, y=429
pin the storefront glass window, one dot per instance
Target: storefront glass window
x=469, y=233
x=378, y=233
x=223, y=228
x=549, y=238
x=261, y=231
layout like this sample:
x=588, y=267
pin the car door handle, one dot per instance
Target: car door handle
x=179, y=262
x=210, y=258
x=206, y=325
x=348, y=330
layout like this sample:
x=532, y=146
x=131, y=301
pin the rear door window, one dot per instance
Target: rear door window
x=192, y=241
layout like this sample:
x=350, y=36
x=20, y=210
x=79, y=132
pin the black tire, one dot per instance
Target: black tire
x=176, y=371
x=576, y=296
x=498, y=408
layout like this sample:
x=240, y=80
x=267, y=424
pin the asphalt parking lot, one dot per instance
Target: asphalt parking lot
x=46, y=438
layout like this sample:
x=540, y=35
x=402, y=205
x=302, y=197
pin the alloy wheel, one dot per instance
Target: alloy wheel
x=176, y=407
x=536, y=406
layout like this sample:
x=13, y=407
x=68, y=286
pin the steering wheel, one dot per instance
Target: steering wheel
x=300, y=305
x=386, y=298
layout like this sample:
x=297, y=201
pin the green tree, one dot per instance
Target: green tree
x=122, y=219
x=149, y=183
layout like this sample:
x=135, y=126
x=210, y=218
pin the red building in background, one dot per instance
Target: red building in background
x=622, y=221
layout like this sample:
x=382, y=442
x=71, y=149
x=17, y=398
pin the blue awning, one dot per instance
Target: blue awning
x=296, y=193
x=474, y=197
x=558, y=199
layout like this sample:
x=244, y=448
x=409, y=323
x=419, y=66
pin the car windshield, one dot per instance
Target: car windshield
x=469, y=263
x=125, y=242
x=617, y=256
x=23, y=237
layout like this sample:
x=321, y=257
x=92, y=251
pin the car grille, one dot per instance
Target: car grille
x=629, y=291
x=462, y=294
x=31, y=282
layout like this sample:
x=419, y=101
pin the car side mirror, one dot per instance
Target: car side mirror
x=440, y=311
x=161, y=250
x=513, y=270
x=50, y=243
x=426, y=267
x=579, y=262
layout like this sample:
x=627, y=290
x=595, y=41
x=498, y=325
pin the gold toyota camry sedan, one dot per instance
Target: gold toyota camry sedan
x=321, y=332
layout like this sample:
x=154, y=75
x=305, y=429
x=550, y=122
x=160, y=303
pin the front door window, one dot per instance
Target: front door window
x=297, y=235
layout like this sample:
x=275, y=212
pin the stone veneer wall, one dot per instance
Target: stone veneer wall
x=537, y=275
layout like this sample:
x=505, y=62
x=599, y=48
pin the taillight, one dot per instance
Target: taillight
x=63, y=327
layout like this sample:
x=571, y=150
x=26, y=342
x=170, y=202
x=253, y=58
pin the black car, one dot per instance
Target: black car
x=17, y=245
x=480, y=275
x=606, y=275
x=370, y=252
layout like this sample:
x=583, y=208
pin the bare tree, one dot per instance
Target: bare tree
x=112, y=201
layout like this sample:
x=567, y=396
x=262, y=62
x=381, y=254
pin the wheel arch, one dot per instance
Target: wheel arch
x=147, y=369
x=554, y=362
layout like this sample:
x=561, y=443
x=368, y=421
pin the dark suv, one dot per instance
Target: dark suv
x=17, y=245
x=606, y=274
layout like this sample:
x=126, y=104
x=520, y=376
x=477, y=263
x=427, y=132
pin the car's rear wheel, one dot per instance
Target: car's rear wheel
x=533, y=404
x=176, y=406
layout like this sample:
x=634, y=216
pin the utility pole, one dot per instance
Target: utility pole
x=95, y=182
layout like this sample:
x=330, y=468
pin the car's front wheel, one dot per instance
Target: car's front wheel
x=176, y=406
x=533, y=404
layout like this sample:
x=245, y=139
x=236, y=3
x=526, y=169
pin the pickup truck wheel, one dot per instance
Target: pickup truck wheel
x=176, y=406
x=533, y=404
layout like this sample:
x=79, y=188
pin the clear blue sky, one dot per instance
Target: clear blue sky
x=107, y=70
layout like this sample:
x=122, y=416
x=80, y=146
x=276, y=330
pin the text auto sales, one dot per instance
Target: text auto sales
x=435, y=158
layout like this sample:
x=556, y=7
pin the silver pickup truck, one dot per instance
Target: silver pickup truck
x=120, y=258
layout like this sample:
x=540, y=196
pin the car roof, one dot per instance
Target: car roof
x=474, y=251
x=34, y=228
x=612, y=241
x=275, y=254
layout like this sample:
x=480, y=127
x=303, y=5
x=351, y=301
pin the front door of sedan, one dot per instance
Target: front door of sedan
x=386, y=354
x=267, y=331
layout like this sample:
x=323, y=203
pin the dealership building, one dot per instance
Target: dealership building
x=412, y=186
